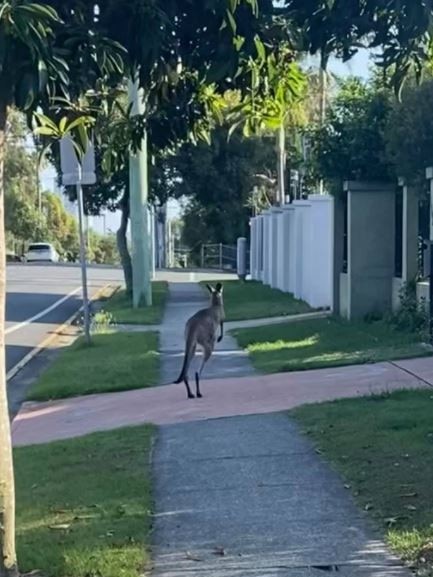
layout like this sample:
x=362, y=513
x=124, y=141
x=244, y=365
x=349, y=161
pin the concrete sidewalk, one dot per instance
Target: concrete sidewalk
x=249, y=497
x=185, y=299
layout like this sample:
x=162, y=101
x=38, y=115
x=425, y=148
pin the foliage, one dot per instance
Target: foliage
x=409, y=133
x=119, y=306
x=274, y=100
x=102, y=323
x=351, y=143
x=252, y=300
x=114, y=362
x=333, y=342
x=411, y=315
x=381, y=444
x=84, y=505
x=218, y=178
x=401, y=28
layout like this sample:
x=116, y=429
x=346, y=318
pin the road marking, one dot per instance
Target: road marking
x=42, y=313
x=50, y=338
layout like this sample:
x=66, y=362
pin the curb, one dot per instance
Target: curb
x=48, y=340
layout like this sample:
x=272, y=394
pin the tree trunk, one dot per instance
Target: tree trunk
x=281, y=167
x=322, y=102
x=122, y=243
x=8, y=558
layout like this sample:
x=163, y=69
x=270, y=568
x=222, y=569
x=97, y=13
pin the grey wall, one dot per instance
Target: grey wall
x=371, y=232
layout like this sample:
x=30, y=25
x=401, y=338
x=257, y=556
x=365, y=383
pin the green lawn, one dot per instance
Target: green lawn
x=383, y=446
x=325, y=342
x=253, y=300
x=120, y=306
x=114, y=362
x=84, y=505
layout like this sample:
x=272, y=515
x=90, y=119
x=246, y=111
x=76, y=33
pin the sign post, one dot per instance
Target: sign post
x=78, y=174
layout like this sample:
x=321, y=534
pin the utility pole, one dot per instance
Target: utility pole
x=138, y=193
x=83, y=262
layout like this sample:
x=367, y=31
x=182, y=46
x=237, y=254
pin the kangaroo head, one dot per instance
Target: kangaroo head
x=216, y=294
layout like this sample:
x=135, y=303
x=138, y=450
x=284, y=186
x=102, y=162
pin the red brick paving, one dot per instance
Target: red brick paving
x=44, y=422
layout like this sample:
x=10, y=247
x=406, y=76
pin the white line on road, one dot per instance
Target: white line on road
x=55, y=305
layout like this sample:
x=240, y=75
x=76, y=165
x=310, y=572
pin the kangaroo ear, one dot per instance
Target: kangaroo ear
x=219, y=287
x=209, y=288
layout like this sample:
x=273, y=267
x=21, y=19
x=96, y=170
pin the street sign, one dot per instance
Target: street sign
x=72, y=173
x=78, y=174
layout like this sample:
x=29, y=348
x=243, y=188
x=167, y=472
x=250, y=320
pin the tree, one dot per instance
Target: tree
x=209, y=39
x=351, y=145
x=400, y=28
x=217, y=179
x=273, y=104
x=409, y=134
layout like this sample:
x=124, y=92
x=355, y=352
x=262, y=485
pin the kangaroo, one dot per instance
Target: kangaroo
x=201, y=329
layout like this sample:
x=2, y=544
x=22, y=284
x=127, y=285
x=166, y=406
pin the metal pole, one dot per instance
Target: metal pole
x=83, y=260
x=221, y=256
x=202, y=255
x=138, y=187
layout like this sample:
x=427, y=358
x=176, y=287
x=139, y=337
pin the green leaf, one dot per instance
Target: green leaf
x=43, y=75
x=261, y=53
x=62, y=124
x=232, y=21
x=44, y=131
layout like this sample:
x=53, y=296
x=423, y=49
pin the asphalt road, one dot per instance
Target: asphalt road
x=42, y=297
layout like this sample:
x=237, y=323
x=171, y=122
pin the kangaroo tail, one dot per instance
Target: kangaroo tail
x=186, y=360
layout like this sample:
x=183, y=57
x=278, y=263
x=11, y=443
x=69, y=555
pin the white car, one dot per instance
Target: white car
x=41, y=251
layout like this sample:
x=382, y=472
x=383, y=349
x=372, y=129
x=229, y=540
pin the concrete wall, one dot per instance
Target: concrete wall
x=371, y=231
x=343, y=307
x=397, y=284
x=297, y=246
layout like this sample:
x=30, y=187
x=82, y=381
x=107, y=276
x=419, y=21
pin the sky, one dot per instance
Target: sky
x=357, y=66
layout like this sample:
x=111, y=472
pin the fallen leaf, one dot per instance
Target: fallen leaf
x=391, y=521
x=326, y=567
x=411, y=507
x=368, y=507
x=409, y=495
x=347, y=486
x=219, y=551
x=60, y=527
x=192, y=557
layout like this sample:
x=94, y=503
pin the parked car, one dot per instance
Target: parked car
x=41, y=251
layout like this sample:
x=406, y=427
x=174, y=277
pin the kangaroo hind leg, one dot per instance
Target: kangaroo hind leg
x=207, y=351
x=185, y=378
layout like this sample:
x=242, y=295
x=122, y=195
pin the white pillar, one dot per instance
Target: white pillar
x=260, y=247
x=275, y=249
x=252, y=247
x=287, y=241
x=321, y=254
x=301, y=230
x=282, y=249
x=267, y=250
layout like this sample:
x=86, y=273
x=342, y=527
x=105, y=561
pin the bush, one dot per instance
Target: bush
x=412, y=315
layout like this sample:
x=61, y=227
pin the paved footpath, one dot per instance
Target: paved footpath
x=185, y=299
x=245, y=496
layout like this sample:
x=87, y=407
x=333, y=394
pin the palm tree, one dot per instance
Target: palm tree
x=275, y=105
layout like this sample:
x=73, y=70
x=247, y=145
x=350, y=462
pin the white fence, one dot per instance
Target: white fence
x=292, y=249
